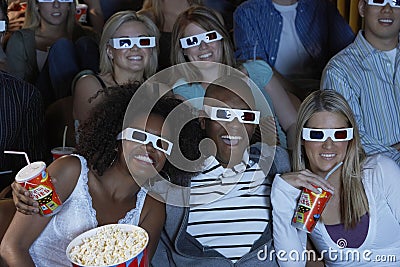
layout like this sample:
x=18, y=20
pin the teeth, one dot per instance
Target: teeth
x=386, y=20
x=144, y=158
x=135, y=57
x=328, y=155
x=205, y=55
x=232, y=137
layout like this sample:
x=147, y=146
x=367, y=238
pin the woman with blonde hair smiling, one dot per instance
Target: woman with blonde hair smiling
x=128, y=53
x=44, y=51
x=363, y=213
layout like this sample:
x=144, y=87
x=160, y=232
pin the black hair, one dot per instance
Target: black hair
x=97, y=135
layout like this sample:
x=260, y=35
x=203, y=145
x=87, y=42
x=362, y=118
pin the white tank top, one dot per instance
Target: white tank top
x=76, y=216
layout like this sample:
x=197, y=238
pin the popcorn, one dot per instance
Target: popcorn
x=108, y=245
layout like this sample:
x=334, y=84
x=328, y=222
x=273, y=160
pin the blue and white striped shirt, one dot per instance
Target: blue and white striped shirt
x=320, y=27
x=366, y=78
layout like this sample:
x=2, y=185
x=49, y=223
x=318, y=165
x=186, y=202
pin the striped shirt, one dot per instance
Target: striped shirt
x=320, y=27
x=367, y=79
x=21, y=125
x=229, y=208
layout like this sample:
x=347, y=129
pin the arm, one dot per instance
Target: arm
x=95, y=15
x=247, y=43
x=152, y=220
x=16, y=56
x=285, y=191
x=334, y=78
x=388, y=173
x=24, y=229
x=85, y=88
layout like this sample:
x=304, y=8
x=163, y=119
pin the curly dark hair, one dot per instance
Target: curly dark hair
x=97, y=135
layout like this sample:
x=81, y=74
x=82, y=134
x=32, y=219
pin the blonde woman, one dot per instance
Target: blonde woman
x=42, y=52
x=364, y=212
x=134, y=60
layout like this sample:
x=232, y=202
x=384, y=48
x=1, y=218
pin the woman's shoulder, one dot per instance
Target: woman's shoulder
x=66, y=172
x=378, y=167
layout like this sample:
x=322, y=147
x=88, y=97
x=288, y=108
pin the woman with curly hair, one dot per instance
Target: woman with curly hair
x=101, y=184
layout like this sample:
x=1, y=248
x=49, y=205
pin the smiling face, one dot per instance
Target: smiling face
x=54, y=13
x=382, y=25
x=144, y=161
x=130, y=59
x=211, y=52
x=323, y=156
x=231, y=138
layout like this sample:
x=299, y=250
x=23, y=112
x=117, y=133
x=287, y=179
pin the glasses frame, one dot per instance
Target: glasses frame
x=306, y=134
x=392, y=3
x=202, y=37
x=127, y=134
x=115, y=42
x=235, y=113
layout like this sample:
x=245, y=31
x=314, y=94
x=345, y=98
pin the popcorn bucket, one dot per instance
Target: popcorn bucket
x=112, y=245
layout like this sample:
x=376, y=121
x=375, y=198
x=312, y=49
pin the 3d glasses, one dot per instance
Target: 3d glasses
x=392, y=3
x=195, y=40
x=129, y=42
x=320, y=135
x=142, y=137
x=228, y=114
x=3, y=26
x=51, y=1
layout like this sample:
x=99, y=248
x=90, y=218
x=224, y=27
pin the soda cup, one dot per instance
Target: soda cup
x=36, y=179
x=80, y=13
x=309, y=208
x=58, y=152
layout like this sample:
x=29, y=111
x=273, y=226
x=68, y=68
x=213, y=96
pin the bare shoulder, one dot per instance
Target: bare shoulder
x=87, y=83
x=65, y=173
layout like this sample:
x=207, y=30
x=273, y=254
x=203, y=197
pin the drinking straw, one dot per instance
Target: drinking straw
x=6, y=172
x=65, y=135
x=333, y=170
x=19, y=153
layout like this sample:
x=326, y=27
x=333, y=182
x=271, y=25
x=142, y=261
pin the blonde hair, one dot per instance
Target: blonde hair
x=155, y=8
x=112, y=25
x=353, y=200
x=33, y=18
x=207, y=19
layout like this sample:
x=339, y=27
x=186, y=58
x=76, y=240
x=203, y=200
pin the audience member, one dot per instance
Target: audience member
x=164, y=14
x=128, y=52
x=42, y=53
x=100, y=185
x=303, y=36
x=228, y=219
x=21, y=126
x=190, y=43
x=367, y=74
x=364, y=211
